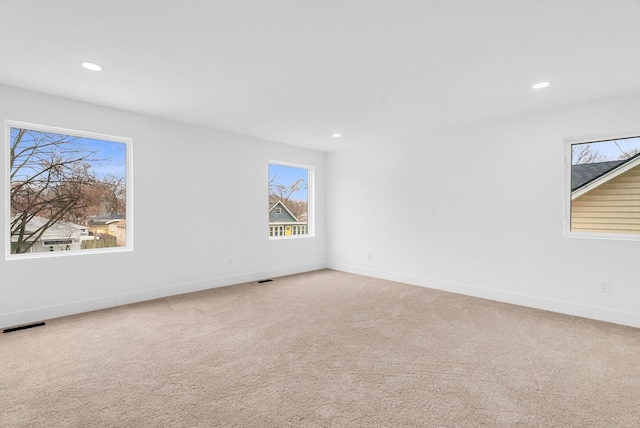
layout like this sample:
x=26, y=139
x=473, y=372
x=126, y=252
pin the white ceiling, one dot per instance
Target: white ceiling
x=296, y=71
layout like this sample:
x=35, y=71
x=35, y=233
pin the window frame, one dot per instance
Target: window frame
x=127, y=141
x=310, y=203
x=569, y=142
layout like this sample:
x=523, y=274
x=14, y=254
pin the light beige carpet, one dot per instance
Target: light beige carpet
x=322, y=349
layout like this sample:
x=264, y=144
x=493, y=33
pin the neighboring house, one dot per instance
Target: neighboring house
x=282, y=222
x=605, y=196
x=113, y=224
x=119, y=230
x=60, y=236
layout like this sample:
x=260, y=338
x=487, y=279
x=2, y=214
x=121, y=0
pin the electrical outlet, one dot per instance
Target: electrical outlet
x=370, y=256
x=230, y=261
x=605, y=287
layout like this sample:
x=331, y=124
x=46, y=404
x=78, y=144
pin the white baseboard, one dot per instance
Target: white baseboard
x=55, y=311
x=568, y=308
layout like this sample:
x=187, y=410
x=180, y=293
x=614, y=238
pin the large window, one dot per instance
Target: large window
x=69, y=191
x=603, y=187
x=290, y=200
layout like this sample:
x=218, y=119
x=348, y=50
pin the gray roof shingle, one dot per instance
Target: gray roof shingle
x=585, y=173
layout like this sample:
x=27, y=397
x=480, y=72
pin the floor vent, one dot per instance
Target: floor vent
x=23, y=327
x=265, y=280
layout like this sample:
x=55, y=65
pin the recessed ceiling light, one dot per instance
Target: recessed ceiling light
x=91, y=66
x=540, y=85
x=336, y=135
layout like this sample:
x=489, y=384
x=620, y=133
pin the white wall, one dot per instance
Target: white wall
x=476, y=210
x=200, y=198
x=479, y=210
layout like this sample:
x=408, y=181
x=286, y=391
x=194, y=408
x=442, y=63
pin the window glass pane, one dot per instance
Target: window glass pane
x=288, y=199
x=67, y=192
x=605, y=186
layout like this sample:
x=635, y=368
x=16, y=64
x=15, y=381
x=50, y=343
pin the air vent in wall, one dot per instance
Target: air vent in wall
x=23, y=327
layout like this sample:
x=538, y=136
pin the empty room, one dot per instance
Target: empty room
x=339, y=213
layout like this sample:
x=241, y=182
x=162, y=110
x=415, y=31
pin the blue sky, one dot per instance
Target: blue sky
x=612, y=149
x=288, y=175
x=110, y=156
x=114, y=156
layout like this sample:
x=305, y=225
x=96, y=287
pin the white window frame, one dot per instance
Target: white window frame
x=310, y=201
x=568, y=143
x=128, y=142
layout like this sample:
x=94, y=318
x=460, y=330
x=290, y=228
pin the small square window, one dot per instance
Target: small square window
x=603, y=187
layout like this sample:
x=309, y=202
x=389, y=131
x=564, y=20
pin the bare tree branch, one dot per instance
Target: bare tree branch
x=52, y=177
